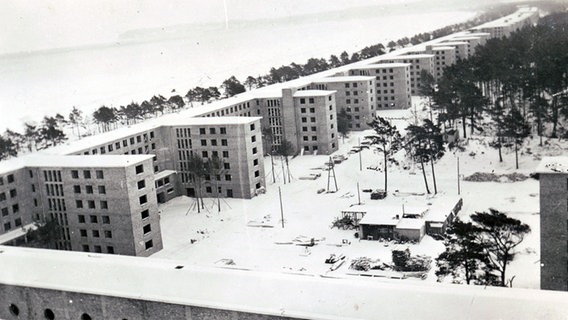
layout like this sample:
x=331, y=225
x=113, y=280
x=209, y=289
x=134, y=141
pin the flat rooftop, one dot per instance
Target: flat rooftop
x=312, y=93
x=449, y=42
x=203, y=121
x=460, y=38
x=72, y=161
x=345, y=79
x=407, y=223
x=305, y=296
x=383, y=65
x=411, y=56
x=442, y=47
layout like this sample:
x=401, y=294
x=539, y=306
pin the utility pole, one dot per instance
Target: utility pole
x=281, y=209
x=330, y=172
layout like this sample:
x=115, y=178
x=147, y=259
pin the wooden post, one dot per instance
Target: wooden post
x=358, y=193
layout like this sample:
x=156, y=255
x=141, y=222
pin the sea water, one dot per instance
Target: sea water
x=170, y=61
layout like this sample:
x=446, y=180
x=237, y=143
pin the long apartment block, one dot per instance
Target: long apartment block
x=392, y=81
x=418, y=62
x=355, y=95
x=104, y=191
x=504, y=26
x=104, y=204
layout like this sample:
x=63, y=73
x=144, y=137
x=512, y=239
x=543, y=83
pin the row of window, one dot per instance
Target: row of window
x=95, y=233
x=50, y=175
x=311, y=110
x=354, y=84
x=310, y=100
x=53, y=190
x=9, y=179
x=8, y=225
x=93, y=219
x=89, y=189
x=103, y=204
x=213, y=142
x=214, y=154
x=13, y=193
x=222, y=130
x=15, y=209
x=87, y=174
x=133, y=140
x=348, y=93
x=97, y=249
x=145, y=150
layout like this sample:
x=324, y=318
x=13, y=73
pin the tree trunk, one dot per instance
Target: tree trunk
x=424, y=175
x=500, y=153
x=463, y=127
x=287, y=169
x=434, y=177
x=554, y=117
x=516, y=155
x=504, y=269
x=472, y=120
x=385, y=166
x=218, y=198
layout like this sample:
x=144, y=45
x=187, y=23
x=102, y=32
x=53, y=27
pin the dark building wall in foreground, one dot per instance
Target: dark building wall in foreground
x=34, y=303
x=553, y=231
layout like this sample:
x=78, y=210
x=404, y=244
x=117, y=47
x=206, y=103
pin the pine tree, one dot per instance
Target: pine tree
x=464, y=255
x=500, y=235
x=387, y=139
x=517, y=129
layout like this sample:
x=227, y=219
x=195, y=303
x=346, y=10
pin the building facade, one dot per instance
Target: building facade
x=418, y=62
x=444, y=56
x=393, y=83
x=553, y=179
x=104, y=204
x=355, y=95
x=310, y=120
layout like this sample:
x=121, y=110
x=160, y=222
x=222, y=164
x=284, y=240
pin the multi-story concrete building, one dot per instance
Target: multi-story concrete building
x=310, y=120
x=444, y=56
x=235, y=141
x=472, y=42
x=354, y=94
x=304, y=117
x=418, y=62
x=553, y=178
x=460, y=48
x=393, y=83
x=102, y=203
x=103, y=191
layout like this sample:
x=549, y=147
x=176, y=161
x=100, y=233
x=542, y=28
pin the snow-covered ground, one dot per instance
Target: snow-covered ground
x=209, y=237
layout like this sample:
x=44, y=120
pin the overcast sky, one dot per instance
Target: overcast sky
x=31, y=24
